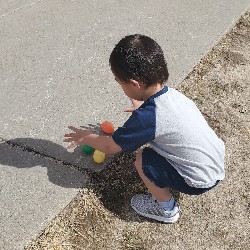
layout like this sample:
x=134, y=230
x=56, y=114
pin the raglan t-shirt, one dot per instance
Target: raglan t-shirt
x=175, y=128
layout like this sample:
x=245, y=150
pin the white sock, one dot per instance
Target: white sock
x=167, y=205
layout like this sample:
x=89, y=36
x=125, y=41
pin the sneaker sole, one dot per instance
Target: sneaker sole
x=172, y=219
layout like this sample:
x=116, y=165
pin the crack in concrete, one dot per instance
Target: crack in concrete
x=20, y=8
x=34, y=152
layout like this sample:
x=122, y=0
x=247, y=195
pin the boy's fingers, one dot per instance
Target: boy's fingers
x=128, y=110
x=68, y=140
x=73, y=128
x=133, y=101
x=69, y=135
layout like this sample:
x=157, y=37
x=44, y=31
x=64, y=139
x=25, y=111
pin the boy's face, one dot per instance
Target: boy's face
x=132, y=89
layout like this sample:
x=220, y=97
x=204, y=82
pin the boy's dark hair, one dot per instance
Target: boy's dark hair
x=140, y=58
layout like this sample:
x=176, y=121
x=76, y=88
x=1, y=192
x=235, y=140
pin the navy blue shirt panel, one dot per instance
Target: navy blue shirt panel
x=139, y=129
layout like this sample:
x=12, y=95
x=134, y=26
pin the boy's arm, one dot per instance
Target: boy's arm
x=104, y=144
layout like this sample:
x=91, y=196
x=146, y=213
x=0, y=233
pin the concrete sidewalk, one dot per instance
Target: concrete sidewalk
x=33, y=190
x=54, y=72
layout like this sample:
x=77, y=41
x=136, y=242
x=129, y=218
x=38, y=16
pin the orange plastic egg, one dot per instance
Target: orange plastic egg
x=107, y=127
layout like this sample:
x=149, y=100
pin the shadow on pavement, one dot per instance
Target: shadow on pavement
x=114, y=185
x=16, y=155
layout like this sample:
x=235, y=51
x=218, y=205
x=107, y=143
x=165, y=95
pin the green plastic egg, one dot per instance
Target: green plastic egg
x=87, y=149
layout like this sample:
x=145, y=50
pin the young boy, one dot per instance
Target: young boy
x=183, y=152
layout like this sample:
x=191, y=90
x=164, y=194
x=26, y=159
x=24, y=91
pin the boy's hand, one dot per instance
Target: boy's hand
x=76, y=138
x=135, y=105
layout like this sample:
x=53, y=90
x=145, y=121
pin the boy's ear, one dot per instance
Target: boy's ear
x=136, y=83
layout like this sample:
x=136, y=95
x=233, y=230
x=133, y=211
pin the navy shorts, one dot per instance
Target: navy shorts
x=158, y=170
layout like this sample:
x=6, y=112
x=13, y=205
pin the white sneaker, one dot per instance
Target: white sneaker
x=147, y=206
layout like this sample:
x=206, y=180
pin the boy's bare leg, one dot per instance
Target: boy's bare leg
x=161, y=194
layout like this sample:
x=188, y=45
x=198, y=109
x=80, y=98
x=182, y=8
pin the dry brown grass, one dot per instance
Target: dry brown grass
x=100, y=217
